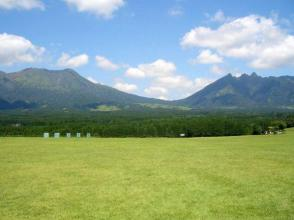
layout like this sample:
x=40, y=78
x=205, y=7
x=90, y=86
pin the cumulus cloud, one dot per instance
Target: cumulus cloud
x=183, y=85
x=106, y=64
x=166, y=82
x=156, y=91
x=21, y=4
x=256, y=39
x=200, y=83
x=207, y=57
x=72, y=62
x=17, y=49
x=135, y=73
x=126, y=87
x=281, y=54
x=174, y=82
x=162, y=97
x=158, y=68
x=179, y=86
x=101, y=8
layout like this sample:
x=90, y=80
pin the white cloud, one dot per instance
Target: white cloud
x=105, y=64
x=281, y=54
x=256, y=39
x=237, y=74
x=126, y=87
x=207, y=57
x=162, y=97
x=162, y=74
x=101, y=8
x=165, y=81
x=156, y=91
x=200, y=83
x=135, y=73
x=158, y=68
x=17, y=49
x=91, y=79
x=72, y=62
x=179, y=86
x=174, y=82
x=175, y=11
x=21, y=4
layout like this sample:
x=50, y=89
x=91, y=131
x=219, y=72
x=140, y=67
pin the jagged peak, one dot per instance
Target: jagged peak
x=228, y=76
x=243, y=75
x=253, y=74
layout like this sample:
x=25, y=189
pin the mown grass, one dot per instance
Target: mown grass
x=249, y=177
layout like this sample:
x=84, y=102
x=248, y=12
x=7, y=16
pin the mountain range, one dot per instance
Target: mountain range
x=59, y=89
x=245, y=91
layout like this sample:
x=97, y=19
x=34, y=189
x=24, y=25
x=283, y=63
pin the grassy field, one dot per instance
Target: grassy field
x=249, y=177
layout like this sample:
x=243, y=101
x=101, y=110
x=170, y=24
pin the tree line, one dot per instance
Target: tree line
x=143, y=125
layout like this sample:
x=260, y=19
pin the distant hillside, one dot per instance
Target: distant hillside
x=245, y=91
x=42, y=88
x=59, y=89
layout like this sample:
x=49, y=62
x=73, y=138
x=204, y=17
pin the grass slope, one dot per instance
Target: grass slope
x=249, y=177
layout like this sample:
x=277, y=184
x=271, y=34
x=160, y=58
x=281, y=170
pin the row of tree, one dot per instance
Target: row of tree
x=109, y=125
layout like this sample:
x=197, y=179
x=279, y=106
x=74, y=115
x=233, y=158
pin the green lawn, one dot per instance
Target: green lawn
x=249, y=177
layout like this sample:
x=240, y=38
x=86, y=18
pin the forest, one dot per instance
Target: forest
x=143, y=124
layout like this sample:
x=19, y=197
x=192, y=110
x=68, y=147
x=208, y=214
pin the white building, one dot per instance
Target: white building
x=46, y=135
x=56, y=135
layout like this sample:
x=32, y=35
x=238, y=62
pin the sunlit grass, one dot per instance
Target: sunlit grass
x=249, y=177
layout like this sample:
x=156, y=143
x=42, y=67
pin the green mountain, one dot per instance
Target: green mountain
x=61, y=89
x=249, y=91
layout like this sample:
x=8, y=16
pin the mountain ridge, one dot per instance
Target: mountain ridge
x=67, y=89
x=61, y=88
x=244, y=91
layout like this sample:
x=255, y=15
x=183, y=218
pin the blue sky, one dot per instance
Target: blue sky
x=165, y=49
